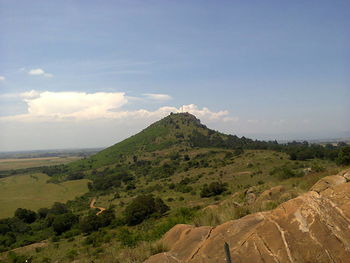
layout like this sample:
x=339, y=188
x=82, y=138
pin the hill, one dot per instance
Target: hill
x=176, y=171
x=310, y=228
x=175, y=131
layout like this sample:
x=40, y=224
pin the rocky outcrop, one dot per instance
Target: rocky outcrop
x=314, y=227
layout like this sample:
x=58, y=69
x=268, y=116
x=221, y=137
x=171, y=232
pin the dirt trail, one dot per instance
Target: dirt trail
x=92, y=205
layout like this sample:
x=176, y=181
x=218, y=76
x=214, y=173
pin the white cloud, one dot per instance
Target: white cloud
x=39, y=72
x=157, y=97
x=2, y=78
x=30, y=94
x=80, y=106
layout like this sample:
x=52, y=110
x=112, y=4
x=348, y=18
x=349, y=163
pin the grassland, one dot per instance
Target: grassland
x=22, y=163
x=32, y=191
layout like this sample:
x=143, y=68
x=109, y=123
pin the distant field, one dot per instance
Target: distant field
x=32, y=192
x=21, y=163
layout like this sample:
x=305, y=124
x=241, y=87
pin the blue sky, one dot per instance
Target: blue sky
x=90, y=73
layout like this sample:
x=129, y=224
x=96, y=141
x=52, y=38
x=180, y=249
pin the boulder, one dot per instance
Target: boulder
x=314, y=227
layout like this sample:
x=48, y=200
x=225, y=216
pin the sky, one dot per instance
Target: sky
x=83, y=73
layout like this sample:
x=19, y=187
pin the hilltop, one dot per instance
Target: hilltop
x=176, y=131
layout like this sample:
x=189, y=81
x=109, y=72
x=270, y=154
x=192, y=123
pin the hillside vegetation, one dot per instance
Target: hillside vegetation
x=169, y=173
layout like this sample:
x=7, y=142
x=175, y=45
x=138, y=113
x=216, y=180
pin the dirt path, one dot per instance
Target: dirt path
x=92, y=205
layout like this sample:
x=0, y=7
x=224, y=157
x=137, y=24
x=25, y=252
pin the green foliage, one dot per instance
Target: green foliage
x=72, y=254
x=94, y=222
x=214, y=188
x=96, y=239
x=344, y=156
x=43, y=212
x=126, y=237
x=64, y=222
x=25, y=215
x=58, y=209
x=285, y=172
x=143, y=207
x=16, y=258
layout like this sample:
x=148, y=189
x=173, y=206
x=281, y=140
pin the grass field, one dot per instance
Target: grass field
x=32, y=192
x=22, y=163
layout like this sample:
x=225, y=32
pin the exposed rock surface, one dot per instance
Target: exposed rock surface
x=314, y=227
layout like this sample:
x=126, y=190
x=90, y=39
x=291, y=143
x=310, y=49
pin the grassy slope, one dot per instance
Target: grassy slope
x=32, y=192
x=158, y=136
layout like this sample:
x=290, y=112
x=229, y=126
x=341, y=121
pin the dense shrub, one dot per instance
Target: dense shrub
x=58, y=209
x=43, y=212
x=143, y=207
x=93, y=222
x=64, y=222
x=26, y=215
x=214, y=188
x=344, y=156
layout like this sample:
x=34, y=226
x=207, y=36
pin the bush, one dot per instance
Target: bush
x=214, y=188
x=71, y=254
x=58, y=208
x=26, y=215
x=42, y=212
x=64, y=222
x=285, y=172
x=143, y=207
x=127, y=238
x=93, y=222
x=344, y=156
x=15, y=258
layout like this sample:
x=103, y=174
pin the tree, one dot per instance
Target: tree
x=59, y=208
x=26, y=215
x=143, y=207
x=344, y=156
x=64, y=222
x=42, y=212
x=89, y=223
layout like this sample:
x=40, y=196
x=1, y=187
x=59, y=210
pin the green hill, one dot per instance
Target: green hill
x=176, y=131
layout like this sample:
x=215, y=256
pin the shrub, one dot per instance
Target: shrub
x=58, y=208
x=71, y=254
x=143, y=207
x=93, y=222
x=64, y=222
x=127, y=238
x=26, y=215
x=16, y=258
x=214, y=188
x=344, y=156
x=42, y=212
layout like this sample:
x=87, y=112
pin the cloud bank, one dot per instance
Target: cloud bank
x=82, y=106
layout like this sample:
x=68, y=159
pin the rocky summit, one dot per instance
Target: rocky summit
x=314, y=227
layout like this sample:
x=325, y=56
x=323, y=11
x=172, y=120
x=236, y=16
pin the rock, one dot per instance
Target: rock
x=314, y=227
x=272, y=193
x=250, y=198
x=347, y=176
x=328, y=182
x=307, y=170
